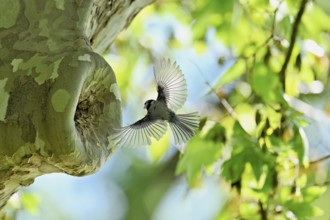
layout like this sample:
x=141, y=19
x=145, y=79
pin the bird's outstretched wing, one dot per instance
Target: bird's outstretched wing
x=183, y=126
x=171, y=84
x=139, y=133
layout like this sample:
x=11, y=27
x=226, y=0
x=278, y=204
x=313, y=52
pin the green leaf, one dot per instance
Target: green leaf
x=310, y=194
x=218, y=6
x=232, y=169
x=300, y=146
x=234, y=72
x=199, y=153
x=245, y=150
x=30, y=202
x=256, y=160
x=315, y=21
x=158, y=148
x=265, y=83
x=283, y=28
x=271, y=181
x=259, y=3
x=240, y=138
x=216, y=134
x=274, y=117
x=302, y=210
x=214, y=13
x=246, y=115
x=234, y=166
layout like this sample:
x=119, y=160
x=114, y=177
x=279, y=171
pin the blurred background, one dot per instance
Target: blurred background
x=204, y=38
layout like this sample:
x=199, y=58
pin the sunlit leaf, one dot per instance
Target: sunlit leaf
x=299, y=145
x=265, y=83
x=259, y=3
x=274, y=117
x=157, y=149
x=292, y=84
x=213, y=13
x=302, y=210
x=240, y=137
x=30, y=202
x=245, y=150
x=246, y=117
x=284, y=27
x=200, y=47
x=199, y=153
x=234, y=72
x=315, y=21
x=310, y=194
x=234, y=167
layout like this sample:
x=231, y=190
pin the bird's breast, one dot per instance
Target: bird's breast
x=159, y=110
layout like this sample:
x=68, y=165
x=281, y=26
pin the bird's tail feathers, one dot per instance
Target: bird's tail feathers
x=183, y=126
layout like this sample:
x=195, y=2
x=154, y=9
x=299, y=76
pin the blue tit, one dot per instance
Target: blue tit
x=172, y=94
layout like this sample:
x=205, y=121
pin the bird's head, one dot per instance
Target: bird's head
x=148, y=103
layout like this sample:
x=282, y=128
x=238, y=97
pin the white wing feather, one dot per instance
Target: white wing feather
x=183, y=126
x=170, y=79
x=139, y=133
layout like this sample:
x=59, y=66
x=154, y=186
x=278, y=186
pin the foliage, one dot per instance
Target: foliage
x=277, y=51
x=21, y=202
x=268, y=150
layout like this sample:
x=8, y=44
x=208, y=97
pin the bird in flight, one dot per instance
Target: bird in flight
x=172, y=94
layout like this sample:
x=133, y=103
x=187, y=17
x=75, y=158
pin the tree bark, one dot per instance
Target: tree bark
x=59, y=100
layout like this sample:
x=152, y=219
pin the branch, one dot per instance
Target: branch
x=292, y=41
x=222, y=100
x=325, y=183
x=263, y=212
x=110, y=18
x=320, y=159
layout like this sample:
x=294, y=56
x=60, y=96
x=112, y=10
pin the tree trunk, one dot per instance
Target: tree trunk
x=59, y=100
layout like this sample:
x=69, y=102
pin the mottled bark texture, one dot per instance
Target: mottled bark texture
x=59, y=100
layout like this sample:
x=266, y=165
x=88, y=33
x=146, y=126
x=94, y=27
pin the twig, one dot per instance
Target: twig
x=320, y=159
x=223, y=101
x=262, y=210
x=266, y=42
x=325, y=183
x=293, y=37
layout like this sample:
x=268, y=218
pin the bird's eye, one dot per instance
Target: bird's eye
x=147, y=104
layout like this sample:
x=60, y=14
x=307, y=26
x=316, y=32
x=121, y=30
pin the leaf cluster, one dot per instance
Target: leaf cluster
x=278, y=51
